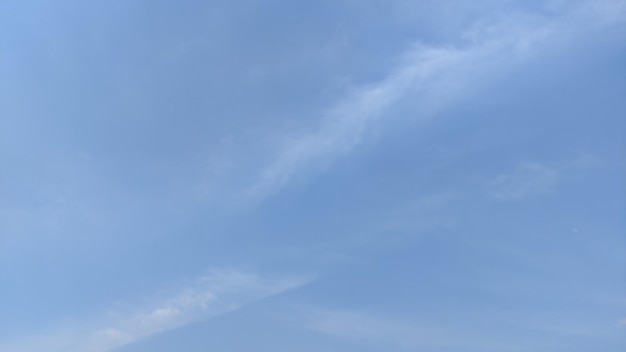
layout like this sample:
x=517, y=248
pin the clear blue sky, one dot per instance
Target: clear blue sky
x=353, y=175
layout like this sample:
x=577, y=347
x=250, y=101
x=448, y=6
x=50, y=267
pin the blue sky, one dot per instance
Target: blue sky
x=370, y=175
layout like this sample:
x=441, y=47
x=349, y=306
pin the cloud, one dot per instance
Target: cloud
x=216, y=293
x=210, y=295
x=433, y=78
x=342, y=128
x=527, y=180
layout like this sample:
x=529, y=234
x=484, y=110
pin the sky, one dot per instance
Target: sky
x=437, y=176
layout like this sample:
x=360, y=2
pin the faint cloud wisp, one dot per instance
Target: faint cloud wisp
x=216, y=293
x=433, y=78
x=527, y=180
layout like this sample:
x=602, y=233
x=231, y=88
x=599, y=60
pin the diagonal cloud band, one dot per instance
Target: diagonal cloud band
x=216, y=293
x=433, y=78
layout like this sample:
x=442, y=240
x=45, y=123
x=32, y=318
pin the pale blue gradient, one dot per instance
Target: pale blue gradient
x=442, y=176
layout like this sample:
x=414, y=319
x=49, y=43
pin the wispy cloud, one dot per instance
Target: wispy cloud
x=532, y=179
x=424, y=73
x=527, y=180
x=432, y=78
x=210, y=295
x=216, y=293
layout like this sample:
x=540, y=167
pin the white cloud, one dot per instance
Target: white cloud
x=433, y=78
x=216, y=293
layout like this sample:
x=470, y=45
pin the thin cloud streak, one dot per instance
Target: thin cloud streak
x=216, y=293
x=433, y=77
x=211, y=295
